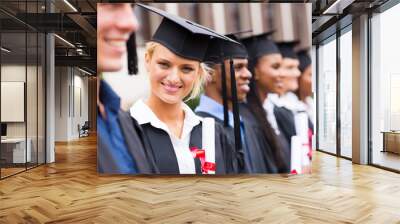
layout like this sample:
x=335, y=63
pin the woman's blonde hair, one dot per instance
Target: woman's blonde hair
x=204, y=72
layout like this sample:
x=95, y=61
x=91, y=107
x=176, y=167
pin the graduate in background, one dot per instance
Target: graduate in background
x=257, y=151
x=117, y=153
x=265, y=61
x=304, y=91
x=293, y=110
x=178, y=141
x=291, y=73
x=284, y=104
x=217, y=98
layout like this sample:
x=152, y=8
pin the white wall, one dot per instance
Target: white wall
x=71, y=94
x=33, y=126
x=61, y=103
x=80, y=110
x=16, y=73
x=12, y=101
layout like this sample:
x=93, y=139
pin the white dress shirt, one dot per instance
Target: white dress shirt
x=269, y=108
x=292, y=102
x=310, y=108
x=143, y=114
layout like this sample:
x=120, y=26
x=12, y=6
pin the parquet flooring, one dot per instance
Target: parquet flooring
x=9, y=171
x=70, y=191
x=387, y=159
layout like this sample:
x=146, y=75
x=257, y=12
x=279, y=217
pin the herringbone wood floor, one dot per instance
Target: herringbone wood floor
x=70, y=191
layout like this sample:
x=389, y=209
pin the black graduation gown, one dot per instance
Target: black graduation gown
x=133, y=135
x=310, y=125
x=261, y=153
x=285, y=147
x=236, y=157
x=285, y=119
x=161, y=153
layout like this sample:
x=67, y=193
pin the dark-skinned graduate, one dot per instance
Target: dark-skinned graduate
x=228, y=87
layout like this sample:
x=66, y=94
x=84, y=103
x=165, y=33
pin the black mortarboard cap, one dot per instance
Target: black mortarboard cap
x=218, y=51
x=304, y=59
x=190, y=40
x=221, y=50
x=287, y=49
x=260, y=45
x=183, y=37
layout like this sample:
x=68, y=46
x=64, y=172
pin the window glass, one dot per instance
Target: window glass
x=346, y=94
x=327, y=97
x=385, y=84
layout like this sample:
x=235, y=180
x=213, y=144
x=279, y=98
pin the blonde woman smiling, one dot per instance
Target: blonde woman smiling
x=178, y=141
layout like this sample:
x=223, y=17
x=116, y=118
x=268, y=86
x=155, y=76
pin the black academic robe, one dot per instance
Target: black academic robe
x=286, y=151
x=259, y=153
x=237, y=163
x=133, y=135
x=161, y=154
x=310, y=125
x=285, y=119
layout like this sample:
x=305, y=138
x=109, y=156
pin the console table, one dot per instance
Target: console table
x=391, y=141
x=13, y=150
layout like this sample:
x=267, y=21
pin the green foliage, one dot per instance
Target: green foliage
x=193, y=103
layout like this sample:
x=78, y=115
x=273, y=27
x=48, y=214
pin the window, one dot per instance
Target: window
x=346, y=93
x=327, y=96
x=385, y=89
x=22, y=77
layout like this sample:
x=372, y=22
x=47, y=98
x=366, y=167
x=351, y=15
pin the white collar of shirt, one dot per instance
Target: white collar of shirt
x=269, y=108
x=309, y=102
x=292, y=102
x=274, y=99
x=143, y=114
x=268, y=104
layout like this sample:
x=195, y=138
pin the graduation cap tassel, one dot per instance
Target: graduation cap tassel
x=224, y=95
x=235, y=109
x=132, y=55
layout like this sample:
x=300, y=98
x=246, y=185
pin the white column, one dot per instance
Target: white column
x=50, y=100
x=256, y=18
x=314, y=91
x=219, y=17
x=172, y=8
x=287, y=21
x=309, y=22
x=360, y=90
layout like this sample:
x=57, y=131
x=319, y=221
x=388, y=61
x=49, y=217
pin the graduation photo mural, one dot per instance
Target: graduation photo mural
x=204, y=89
